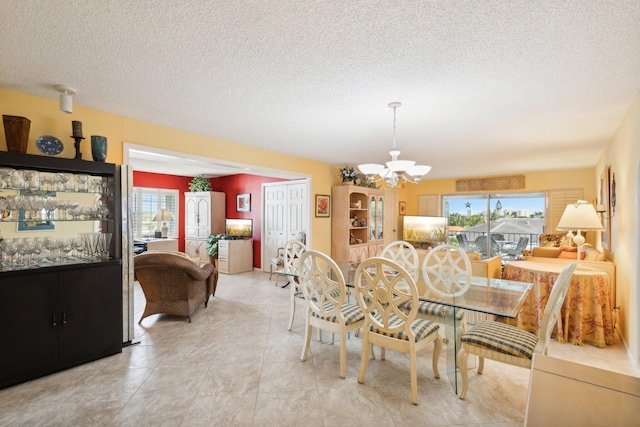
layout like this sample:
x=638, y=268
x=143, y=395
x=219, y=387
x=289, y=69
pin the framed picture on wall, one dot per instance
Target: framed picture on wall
x=243, y=202
x=323, y=205
x=403, y=208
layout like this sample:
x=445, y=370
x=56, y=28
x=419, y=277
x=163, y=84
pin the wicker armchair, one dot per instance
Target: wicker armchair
x=173, y=284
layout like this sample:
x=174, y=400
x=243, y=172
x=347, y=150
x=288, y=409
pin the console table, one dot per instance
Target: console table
x=586, y=315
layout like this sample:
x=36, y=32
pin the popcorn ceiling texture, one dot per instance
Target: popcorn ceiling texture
x=512, y=85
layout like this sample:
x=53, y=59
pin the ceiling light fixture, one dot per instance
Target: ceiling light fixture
x=396, y=171
x=66, y=98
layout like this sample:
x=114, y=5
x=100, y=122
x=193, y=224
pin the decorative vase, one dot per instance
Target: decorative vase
x=16, y=129
x=99, y=148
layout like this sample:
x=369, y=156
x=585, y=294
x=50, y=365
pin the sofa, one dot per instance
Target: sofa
x=173, y=283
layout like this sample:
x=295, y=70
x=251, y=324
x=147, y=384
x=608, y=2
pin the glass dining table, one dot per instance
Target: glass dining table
x=491, y=296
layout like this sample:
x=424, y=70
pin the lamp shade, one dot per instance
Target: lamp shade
x=580, y=216
x=163, y=215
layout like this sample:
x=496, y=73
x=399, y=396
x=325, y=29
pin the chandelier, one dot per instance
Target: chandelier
x=396, y=171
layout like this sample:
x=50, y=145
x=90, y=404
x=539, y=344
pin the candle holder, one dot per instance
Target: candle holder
x=76, y=144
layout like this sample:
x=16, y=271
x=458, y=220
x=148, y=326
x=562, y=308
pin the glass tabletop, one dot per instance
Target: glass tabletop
x=485, y=295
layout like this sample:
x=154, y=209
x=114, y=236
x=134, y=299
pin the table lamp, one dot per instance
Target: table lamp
x=164, y=216
x=580, y=216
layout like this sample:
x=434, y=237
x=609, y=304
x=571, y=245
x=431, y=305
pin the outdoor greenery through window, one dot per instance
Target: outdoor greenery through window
x=495, y=224
x=146, y=204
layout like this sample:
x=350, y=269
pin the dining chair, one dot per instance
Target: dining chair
x=464, y=243
x=276, y=263
x=482, y=246
x=515, y=251
x=386, y=322
x=293, y=249
x=510, y=344
x=405, y=254
x=446, y=270
x=325, y=293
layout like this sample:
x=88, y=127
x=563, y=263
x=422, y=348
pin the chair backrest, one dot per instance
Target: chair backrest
x=293, y=249
x=405, y=254
x=382, y=300
x=523, y=241
x=552, y=309
x=447, y=271
x=322, y=282
x=497, y=236
x=481, y=244
x=302, y=236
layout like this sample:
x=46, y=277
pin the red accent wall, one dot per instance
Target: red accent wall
x=241, y=184
x=173, y=182
x=230, y=185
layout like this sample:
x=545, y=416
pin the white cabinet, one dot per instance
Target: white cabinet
x=235, y=256
x=205, y=212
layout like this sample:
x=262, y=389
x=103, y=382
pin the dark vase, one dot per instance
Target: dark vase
x=16, y=129
x=99, y=148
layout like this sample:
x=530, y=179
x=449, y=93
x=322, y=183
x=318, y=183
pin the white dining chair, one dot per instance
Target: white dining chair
x=293, y=250
x=510, y=344
x=387, y=323
x=325, y=293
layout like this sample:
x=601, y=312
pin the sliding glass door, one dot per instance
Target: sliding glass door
x=495, y=224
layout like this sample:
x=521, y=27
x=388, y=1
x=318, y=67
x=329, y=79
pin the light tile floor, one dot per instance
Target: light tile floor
x=237, y=365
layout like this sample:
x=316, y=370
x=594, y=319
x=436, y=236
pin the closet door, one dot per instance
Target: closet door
x=275, y=204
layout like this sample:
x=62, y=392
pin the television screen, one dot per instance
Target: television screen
x=239, y=227
x=424, y=228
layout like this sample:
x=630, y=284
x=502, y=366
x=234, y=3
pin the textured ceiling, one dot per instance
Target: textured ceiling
x=487, y=87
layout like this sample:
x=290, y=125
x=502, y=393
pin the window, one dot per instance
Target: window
x=504, y=218
x=146, y=203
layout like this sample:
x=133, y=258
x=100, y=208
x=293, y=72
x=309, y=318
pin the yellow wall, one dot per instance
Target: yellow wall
x=623, y=155
x=46, y=119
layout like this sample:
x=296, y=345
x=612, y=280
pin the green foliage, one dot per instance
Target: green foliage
x=212, y=244
x=199, y=183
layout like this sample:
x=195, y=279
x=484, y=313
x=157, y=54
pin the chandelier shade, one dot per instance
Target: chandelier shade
x=396, y=171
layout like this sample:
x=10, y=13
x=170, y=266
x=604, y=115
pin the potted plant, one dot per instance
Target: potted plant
x=199, y=183
x=212, y=248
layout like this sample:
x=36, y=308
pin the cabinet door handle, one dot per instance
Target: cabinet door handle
x=53, y=320
x=64, y=318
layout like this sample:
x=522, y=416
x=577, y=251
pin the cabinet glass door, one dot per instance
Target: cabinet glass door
x=380, y=218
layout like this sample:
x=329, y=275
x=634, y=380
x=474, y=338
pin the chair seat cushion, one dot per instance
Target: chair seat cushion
x=434, y=309
x=420, y=327
x=352, y=313
x=277, y=262
x=502, y=338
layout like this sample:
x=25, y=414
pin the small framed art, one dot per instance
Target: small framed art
x=243, y=202
x=403, y=208
x=323, y=205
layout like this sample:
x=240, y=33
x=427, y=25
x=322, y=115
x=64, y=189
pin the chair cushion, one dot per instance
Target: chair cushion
x=420, y=327
x=502, y=338
x=277, y=261
x=434, y=309
x=352, y=313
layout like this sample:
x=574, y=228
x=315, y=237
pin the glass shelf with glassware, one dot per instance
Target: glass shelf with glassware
x=55, y=212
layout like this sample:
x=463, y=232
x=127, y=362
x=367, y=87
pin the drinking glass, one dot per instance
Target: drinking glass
x=81, y=183
x=6, y=176
x=31, y=179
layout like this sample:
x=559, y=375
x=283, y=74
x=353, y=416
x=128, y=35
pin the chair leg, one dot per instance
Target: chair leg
x=364, y=358
x=480, y=364
x=293, y=306
x=414, y=376
x=271, y=271
x=343, y=354
x=437, y=348
x=307, y=340
x=464, y=374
